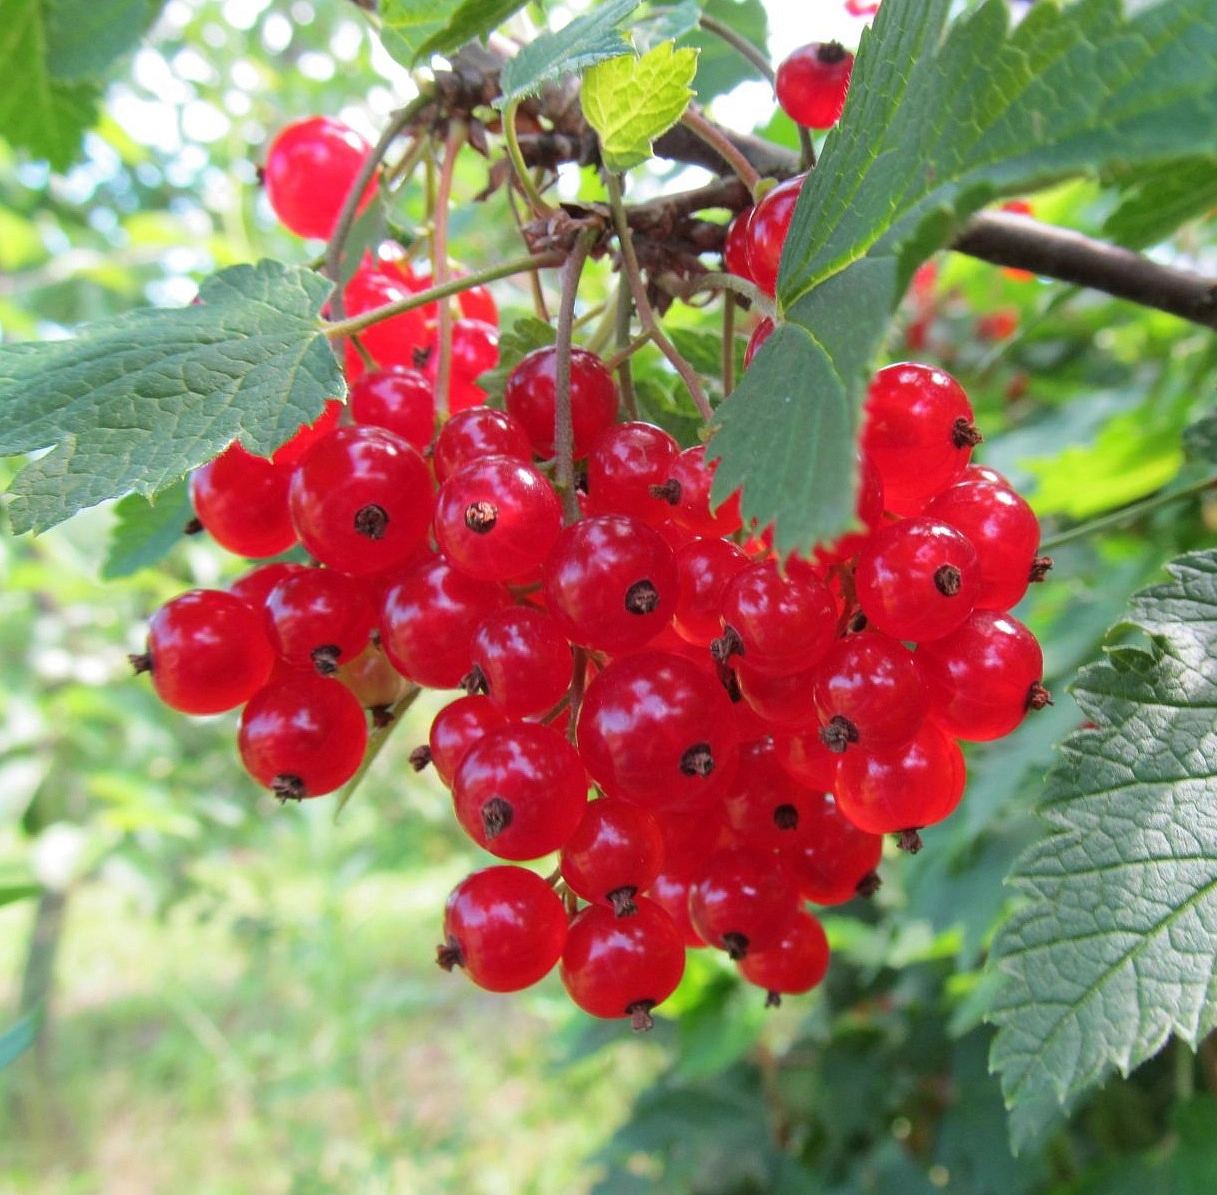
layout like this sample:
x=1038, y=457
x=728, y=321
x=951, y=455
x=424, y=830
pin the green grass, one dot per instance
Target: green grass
x=287, y=1032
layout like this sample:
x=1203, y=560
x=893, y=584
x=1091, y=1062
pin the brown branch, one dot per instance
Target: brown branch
x=1007, y=239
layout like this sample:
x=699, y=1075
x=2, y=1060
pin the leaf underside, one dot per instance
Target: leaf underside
x=937, y=124
x=1114, y=950
x=136, y=401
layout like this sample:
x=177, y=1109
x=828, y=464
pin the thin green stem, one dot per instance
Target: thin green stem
x=564, y=432
x=539, y=207
x=719, y=280
x=377, y=738
x=625, y=374
x=728, y=345
x=623, y=354
x=529, y=263
x=741, y=45
x=1127, y=515
x=629, y=266
x=696, y=123
x=439, y=267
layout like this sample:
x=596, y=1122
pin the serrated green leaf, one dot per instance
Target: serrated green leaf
x=134, y=402
x=18, y=1038
x=1157, y=201
x=588, y=39
x=630, y=101
x=524, y=335
x=85, y=39
x=1200, y=440
x=38, y=113
x=665, y=24
x=473, y=19
x=146, y=531
x=720, y=67
x=936, y=125
x=1113, y=951
x=407, y=25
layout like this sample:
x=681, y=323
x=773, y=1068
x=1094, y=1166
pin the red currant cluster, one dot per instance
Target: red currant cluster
x=752, y=726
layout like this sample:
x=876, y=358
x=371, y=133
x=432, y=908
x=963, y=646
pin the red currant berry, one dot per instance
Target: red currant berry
x=835, y=861
x=497, y=518
x=302, y=736
x=254, y=586
x=656, y=729
x=520, y=791
x=671, y=893
x=319, y=618
x=475, y=351
x=622, y=966
x=455, y=729
x=917, y=579
x=767, y=231
x=803, y=754
x=207, y=652
x=687, y=492
x=478, y=432
x=742, y=901
x=398, y=398
x=505, y=926
x=308, y=434
x=780, y=701
x=521, y=661
x=361, y=500
x=796, y=963
x=530, y=397
x=765, y=807
x=615, y=852
x=984, y=677
x=310, y=167
x=397, y=340
x=704, y=567
x=811, y=83
x=625, y=461
x=242, y=502
x=735, y=245
x=760, y=334
x=610, y=583
x=918, y=431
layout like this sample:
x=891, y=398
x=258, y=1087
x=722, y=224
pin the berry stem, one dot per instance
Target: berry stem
x=686, y=288
x=713, y=136
x=530, y=262
x=377, y=737
x=564, y=434
x=728, y=359
x=646, y=316
x=539, y=207
x=625, y=374
x=439, y=266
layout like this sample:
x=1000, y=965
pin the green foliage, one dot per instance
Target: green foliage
x=84, y=39
x=588, y=39
x=414, y=30
x=1156, y=201
x=938, y=123
x=630, y=101
x=18, y=1038
x=136, y=401
x=146, y=530
x=719, y=66
x=1113, y=950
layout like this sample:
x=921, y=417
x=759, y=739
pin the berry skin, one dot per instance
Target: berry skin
x=310, y=166
x=319, y=618
x=658, y=730
x=835, y=861
x=242, y=502
x=622, y=966
x=625, y=461
x=394, y=341
x=687, y=491
x=735, y=246
x=302, y=736
x=765, y=807
x=796, y=963
x=615, y=852
x=984, y=676
x=520, y=660
x=520, y=791
x=811, y=84
x=497, y=518
x=478, y=432
x=207, y=652
x=505, y=926
x=767, y=231
x=917, y=579
x=703, y=569
x=610, y=583
x=918, y=432
x=455, y=729
x=361, y=500
x=398, y=398
x=742, y=901
x=530, y=396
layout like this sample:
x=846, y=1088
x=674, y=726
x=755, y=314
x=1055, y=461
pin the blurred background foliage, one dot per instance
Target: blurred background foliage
x=220, y=995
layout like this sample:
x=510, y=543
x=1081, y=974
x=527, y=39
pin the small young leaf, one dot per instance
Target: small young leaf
x=588, y=39
x=146, y=531
x=937, y=124
x=1158, y=201
x=526, y=334
x=84, y=38
x=1113, y=951
x=630, y=101
x=473, y=19
x=407, y=25
x=666, y=24
x=135, y=401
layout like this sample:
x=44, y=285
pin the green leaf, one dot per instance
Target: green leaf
x=721, y=67
x=15, y=1040
x=40, y=114
x=1200, y=440
x=146, y=531
x=588, y=39
x=937, y=124
x=85, y=39
x=526, y=334
x=412, y=30
x=1113, y=951
x=665, y=24
x=11, y=893
x=630, y=101
x=1157, y=201
x=136, y=401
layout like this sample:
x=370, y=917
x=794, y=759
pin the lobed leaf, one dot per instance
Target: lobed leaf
x=1114, y=949
x=136, y=401
x=630, y=101
x=146, y=531
x=85, y=39
x=937, y=124
x=413, y=30
x=588, y=39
